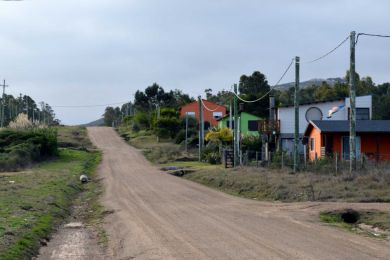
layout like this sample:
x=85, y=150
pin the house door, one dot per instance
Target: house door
x=345, y=147
x=328, y=145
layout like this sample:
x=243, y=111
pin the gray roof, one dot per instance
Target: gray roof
x=362, y=126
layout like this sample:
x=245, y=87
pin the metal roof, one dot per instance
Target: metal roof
x=362, y=126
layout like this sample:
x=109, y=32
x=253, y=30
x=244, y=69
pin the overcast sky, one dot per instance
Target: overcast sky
x=72, y=52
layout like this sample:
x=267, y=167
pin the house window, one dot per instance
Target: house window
x=252, y=125
x=362, y=113
x=312, y=143
x=217, y=115
x=190, y=114
x=345, y=147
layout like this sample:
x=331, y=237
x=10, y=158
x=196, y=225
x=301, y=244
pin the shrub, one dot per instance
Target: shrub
x=168, y=127
x=142, y=119
x=211, y=154
x=252, y=143
x=19, y=148
x=181, y=135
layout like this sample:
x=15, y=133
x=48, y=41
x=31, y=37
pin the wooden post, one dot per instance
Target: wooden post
x=235, y=130
x=296, y=118
x=352, y=104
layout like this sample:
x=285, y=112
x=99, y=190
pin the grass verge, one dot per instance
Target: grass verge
x=34, y=202
x=367, y=222
x=74, y=137
x=265, y=183
x=158, y=152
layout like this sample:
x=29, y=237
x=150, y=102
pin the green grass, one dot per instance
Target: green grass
x=159, y=152
x=35, y=201
x=373, y=218
x=74, y=137
x=280, y=185
x=271, y=184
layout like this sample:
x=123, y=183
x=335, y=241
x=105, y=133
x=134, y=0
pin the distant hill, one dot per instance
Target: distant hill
x=308, y=83
x=99, y=122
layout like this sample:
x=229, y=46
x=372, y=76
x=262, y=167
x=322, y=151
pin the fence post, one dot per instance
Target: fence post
x=362, y=160
x=304, y=156
x=257, y=159
x=269, y=158
x=336, y=161
x=282, y=165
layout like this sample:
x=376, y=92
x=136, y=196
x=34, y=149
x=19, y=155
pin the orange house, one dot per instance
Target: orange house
x=328, y=137
x=211, y=111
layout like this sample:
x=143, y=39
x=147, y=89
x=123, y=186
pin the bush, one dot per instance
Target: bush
x=181, y=135
x=252, y=143
x=19, y=148
x=168, y=127
x=211, y=155
x=142, y=119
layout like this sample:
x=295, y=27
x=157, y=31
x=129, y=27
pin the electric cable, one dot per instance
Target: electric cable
x=86, y=106
x=326, y=54
x=271, y=88
x=370, y=34
x=211, y=110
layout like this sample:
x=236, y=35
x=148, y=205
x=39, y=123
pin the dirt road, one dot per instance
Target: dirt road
x=158, y=216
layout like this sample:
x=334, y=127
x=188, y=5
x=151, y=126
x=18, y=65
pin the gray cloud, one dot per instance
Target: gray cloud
x=91, y=52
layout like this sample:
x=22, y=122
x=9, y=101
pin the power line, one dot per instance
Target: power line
x=97, y=105
x=209, y=109
x=328, y=53
x=370, y=34
x=271, y=88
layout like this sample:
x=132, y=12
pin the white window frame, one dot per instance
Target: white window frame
x=220, y=115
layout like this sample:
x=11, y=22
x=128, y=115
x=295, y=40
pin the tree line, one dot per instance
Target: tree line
x=154, y=101
x=12, y=106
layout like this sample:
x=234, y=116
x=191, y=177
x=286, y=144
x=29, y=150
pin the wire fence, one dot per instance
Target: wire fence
x=332, y=163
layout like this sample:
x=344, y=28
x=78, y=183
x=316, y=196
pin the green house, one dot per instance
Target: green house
x=248, y=123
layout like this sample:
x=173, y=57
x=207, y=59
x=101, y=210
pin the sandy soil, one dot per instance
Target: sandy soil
x=159, y=216
x=73, y=241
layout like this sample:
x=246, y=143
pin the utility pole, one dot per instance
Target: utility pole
x=3, y=104
x=201, y=126
x=186, y=132
x=296, y=110
x=352, y=103
x=230, y=116
x=235, y=129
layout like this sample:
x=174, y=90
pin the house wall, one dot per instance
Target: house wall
x=361, y=101
x=372, y=144
x=207, y=115
x=316, y=152
x=286, y=116
x=244, y=118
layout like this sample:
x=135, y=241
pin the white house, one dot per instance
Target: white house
x=318, y=111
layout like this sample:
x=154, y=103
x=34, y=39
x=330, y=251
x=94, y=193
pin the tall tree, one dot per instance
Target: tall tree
x=253, y=87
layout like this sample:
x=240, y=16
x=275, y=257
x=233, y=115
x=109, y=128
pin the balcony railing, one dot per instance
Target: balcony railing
x=269, y=126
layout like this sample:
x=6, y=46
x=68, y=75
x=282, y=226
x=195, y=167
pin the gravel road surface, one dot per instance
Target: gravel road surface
x=159, y=216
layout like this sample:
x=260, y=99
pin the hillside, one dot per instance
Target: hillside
x=98, y=122
x=308, y=83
